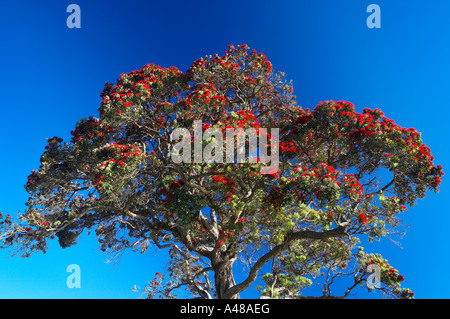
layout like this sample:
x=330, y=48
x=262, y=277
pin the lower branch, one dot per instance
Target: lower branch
x=277, y=250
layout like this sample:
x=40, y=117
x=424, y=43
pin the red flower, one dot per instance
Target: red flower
x=274, y=176
x=303, y=119
x=272, y=172
x=176, y=184
x=363, y=218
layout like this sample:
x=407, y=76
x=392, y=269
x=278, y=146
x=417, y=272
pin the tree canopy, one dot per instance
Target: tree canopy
x=341, y=175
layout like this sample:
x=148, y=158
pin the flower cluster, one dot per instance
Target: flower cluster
x=32, y=178
x=228, y=183
x=302, y=119
x=231, y=65
x=320, y=184
x=405, y=293
x=289, y=147
x=207, y=97
x=362, y=218
x=275, y=196
x=351, y=186
x=170, y=194
x=248, y=71
x=115, y=158
x=240, y=119
x=389, y=276
x=334, y=132
x=88, y=129
x=135, y=89
x=53, y=142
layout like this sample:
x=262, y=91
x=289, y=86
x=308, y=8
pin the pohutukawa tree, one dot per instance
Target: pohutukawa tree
x=341, y=175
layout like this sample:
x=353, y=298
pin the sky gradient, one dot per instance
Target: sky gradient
x=52, y=76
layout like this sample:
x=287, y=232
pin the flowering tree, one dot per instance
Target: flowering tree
x=341, y=175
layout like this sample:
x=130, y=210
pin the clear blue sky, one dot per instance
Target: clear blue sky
x=51, y=76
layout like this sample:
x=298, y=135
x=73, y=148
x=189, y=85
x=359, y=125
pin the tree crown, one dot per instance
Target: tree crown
x=341, y=174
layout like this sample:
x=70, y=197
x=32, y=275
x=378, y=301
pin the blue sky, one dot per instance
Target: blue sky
x=51, y=76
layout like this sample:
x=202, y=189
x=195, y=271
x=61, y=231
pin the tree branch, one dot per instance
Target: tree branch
x=290, y=238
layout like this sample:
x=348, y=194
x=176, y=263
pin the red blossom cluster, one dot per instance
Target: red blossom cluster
x=177, y=184
x=53, y=141
x=120, y=156
x=273, y=175
x=221, y=242
x=34, y=176
x=407, y=293
x=229, y=184
x=351, y=185
x=302, y=119
x=289, y=147
x=241, y=120
x=88, y=130
x=43, y=223
x=125, y=150
x=99, y=179
x=388, y=270
x=223, y=234
x=366, y=121
x=326, y=175
x=249, y=71
x=169, y=194
x=136, y=87
x=275, y=196
x=225, y=180
x=339, y=120
x=362, y=218
x=227, y=64
x=206, y=96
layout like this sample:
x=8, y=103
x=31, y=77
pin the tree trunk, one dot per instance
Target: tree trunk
x=224, y=279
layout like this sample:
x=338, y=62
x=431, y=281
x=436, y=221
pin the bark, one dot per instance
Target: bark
x=224, y=279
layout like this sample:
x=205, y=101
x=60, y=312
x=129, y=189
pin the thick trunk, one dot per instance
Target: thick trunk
x=224, y=279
